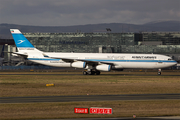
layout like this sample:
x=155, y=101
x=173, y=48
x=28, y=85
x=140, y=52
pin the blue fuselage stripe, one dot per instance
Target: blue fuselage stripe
x=44, y=59
x=98, y=60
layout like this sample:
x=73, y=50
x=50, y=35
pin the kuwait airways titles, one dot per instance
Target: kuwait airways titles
x=134, y=57
x=144, y=57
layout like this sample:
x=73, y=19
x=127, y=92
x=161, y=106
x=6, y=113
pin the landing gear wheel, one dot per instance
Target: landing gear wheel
x=98, y=72
x=84, y=73
x=90, y=72
x=159, y=73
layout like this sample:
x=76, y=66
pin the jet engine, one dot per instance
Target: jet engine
x=103, y=67
x=78, y=64
x=117, y=68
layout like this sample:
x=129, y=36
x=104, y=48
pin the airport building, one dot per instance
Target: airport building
x=145, y=42
x=167, y=43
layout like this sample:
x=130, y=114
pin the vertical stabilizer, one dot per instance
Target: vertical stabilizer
x=23, y=45
x=20, y=40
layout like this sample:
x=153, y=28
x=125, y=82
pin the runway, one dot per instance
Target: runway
x=36, y=99
x=89, y=75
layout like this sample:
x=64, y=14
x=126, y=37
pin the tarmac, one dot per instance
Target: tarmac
x=34, y=99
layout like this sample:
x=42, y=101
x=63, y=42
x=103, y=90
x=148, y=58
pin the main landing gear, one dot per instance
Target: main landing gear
x=91, y=72
x=159, y=71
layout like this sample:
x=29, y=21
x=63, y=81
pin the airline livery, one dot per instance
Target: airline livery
x=93, y=63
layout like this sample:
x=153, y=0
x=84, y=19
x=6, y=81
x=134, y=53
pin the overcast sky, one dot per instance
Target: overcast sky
x=81, y=12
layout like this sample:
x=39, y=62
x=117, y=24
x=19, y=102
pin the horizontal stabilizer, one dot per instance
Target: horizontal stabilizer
x=21, y=54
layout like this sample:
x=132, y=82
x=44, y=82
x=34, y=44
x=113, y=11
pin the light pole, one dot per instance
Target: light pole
x=109, y=46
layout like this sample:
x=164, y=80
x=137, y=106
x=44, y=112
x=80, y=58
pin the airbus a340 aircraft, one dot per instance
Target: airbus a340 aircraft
x=93, y=63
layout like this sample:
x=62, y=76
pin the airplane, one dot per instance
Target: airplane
x=93, y=63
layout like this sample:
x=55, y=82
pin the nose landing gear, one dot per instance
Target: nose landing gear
x=159, y=71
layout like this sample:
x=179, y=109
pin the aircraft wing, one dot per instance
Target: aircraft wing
x=91, y=62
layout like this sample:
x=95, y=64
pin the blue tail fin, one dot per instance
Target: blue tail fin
x=20, y=40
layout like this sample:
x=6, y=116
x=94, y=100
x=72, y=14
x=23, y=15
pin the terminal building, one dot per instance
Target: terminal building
x=145, y=42
x=167, y=43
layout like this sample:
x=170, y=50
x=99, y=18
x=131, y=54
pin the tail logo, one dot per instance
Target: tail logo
x=20, y=41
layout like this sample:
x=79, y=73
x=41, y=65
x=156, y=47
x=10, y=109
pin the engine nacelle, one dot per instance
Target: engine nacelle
x=103, y=67
x=117, y=68
x=78, y=64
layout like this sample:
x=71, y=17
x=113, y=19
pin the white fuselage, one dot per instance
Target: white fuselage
x=124, y=61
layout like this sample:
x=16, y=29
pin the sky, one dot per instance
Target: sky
x=82, y=12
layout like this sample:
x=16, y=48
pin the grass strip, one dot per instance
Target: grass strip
x=35, y=85
x=66, y=109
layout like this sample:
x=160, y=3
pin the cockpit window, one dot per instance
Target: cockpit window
x=169, y=59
